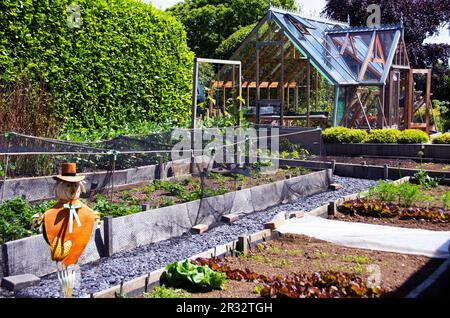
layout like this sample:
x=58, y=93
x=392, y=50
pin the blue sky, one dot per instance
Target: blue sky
x=311, y=7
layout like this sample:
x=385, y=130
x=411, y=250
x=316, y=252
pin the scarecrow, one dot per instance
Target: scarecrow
x=68, y=225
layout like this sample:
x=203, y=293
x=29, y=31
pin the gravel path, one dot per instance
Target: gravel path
x=125, y=266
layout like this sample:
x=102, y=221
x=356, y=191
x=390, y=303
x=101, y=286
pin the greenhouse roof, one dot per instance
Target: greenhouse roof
x=344, y=55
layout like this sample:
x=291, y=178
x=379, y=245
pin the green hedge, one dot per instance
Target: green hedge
x=413, y=136
x=383, y=136
x=231, y=44
x=387, y=136
x=126, y=62
x=442, y=139
x=344, y=135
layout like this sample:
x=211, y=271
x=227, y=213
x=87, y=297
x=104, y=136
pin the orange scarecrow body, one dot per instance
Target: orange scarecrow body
x=67, y=247
x=67, y=226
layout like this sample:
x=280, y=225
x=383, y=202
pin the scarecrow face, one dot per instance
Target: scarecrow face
x=67, y=191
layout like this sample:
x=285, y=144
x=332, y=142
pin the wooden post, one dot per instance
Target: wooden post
x=296, y=97
x=194, y=94
x=224, y=99
x=316, y=105
x=282, y=84
x=287, y=93
x=248, y=94
x=428, y=101
x=409, y=98
x=258, y=89
x=308, y=92
x=211, y=96
x=107, y=229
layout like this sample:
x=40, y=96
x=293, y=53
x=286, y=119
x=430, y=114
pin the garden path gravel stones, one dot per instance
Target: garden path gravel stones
x=124, y=266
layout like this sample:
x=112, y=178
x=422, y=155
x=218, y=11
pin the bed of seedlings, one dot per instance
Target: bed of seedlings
x=421, y=203
x=161, y=193
x=296, y=266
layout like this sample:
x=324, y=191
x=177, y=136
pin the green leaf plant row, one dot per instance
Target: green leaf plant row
x=103, y=63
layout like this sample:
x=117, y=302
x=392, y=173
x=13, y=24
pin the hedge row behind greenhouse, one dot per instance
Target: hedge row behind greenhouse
x=384, y=136
x=93, y=64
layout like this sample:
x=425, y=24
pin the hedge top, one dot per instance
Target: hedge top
x=388, y=136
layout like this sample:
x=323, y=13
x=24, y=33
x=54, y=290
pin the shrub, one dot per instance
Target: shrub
x=442, y=139
x=16, y=218
x=413, y=136
x=126, y=62
x=343, y=135
x=383, y=136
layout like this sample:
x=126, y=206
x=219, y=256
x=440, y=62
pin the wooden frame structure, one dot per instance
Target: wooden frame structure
x=286, y=55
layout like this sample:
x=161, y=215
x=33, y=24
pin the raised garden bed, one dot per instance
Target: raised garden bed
x=162, y=193
x=31, y=255
x=400, y=163
x=424, y=205
x=250, y=275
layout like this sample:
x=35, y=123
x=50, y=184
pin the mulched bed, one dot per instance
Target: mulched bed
x=400, y=273
x=400, y=163
x=395, y=221
x=408, y=223
x=143, y=193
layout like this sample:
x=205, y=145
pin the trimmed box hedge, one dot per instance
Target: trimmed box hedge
x=382, y=136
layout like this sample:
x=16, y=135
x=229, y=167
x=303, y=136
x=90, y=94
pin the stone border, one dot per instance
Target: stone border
x=42, y=188
x=31, y=255
x=430, y=151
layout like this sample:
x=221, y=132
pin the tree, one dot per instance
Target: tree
x=230, y=45
x=209, y=22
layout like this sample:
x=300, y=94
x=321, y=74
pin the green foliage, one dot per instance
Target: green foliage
x=383, y=136
x=231, y=44
x=442, y=139
x=174, y=188
x=344, y=135
x=425, y=180
x=385, y=191
x=16, y=218
x=413, y=136
x=210, y=22
x=379, y=209
x=388, y=136
x=167, y=292
x=127, y=62
x=409, y=194
x=184, y=273
x=405, y=194
x=445, y=200
x=138, y=127
x=106, y=208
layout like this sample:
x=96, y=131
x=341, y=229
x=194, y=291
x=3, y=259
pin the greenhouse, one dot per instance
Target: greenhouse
x=312, y=71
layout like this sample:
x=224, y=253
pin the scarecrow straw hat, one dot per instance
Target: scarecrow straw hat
x=69, y=173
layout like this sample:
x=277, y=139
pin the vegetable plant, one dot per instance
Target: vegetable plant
x=184, y=273
x=425, y=180
x=167, y=292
